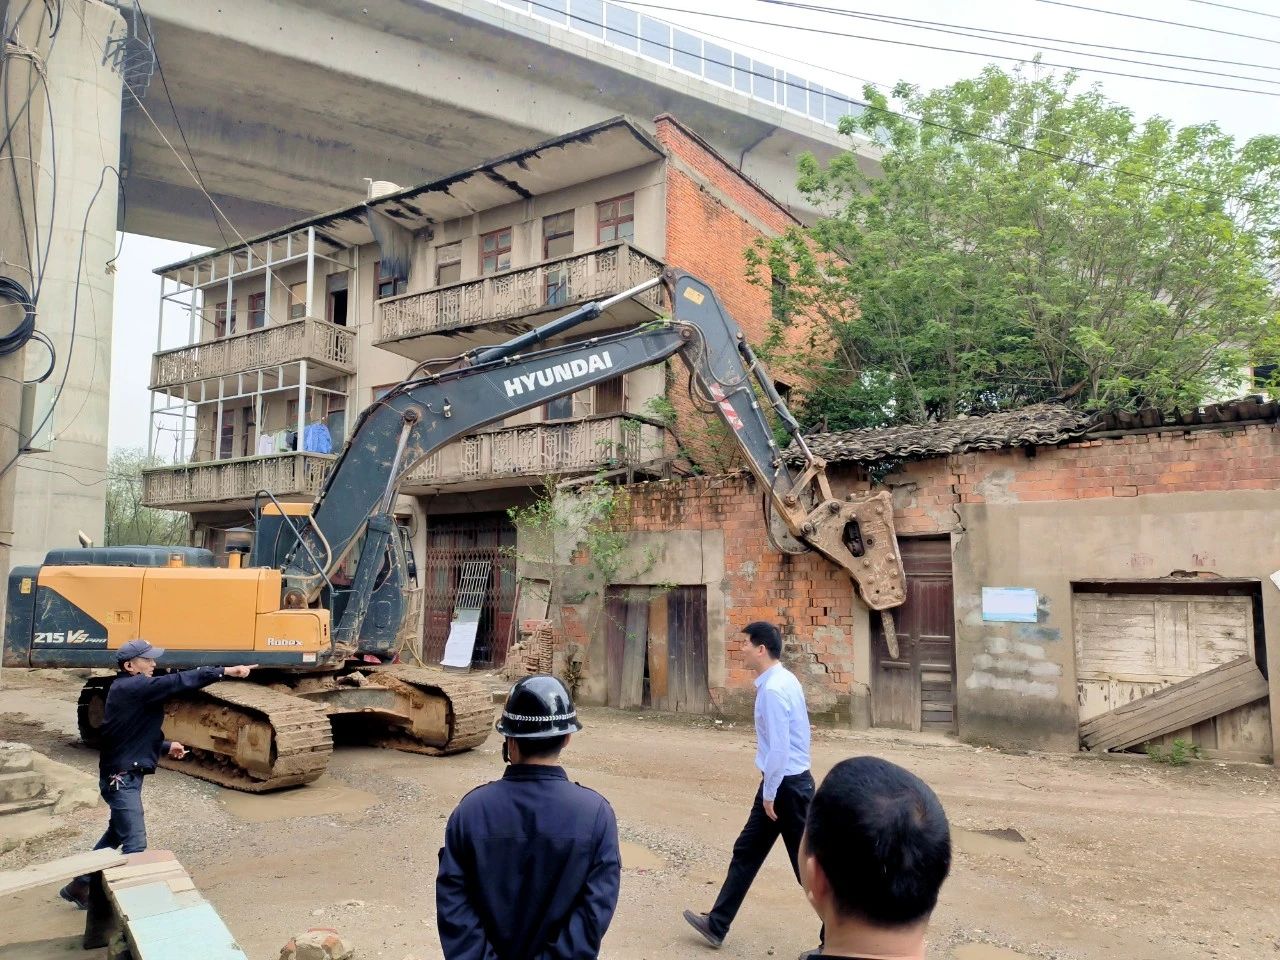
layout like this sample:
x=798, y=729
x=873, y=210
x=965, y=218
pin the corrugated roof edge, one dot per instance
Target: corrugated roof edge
x=645, y=138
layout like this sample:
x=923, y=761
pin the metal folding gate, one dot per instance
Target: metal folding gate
x=454, y=542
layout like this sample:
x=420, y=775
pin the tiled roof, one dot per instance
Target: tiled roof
x=1043, y=424
x=1030, y=426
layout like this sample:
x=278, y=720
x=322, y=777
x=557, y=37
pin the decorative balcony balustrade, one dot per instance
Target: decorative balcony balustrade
x=223, y=481
x=543, y=449
x=309, y=339
x=549, y=285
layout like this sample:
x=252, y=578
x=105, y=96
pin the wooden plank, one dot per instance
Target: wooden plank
x=58, y=871
x=631, y=692
x=1183, y=704
x=1192, y=691
x=1206, y=686
x=615, y=628
x=657, y=651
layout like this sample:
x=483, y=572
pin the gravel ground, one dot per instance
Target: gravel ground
x=1057, y=856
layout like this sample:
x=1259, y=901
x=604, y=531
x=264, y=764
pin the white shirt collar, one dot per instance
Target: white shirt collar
x=760, y=679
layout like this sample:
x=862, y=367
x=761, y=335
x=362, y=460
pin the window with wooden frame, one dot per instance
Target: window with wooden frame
x=297, y=300
x=248, y=425
x=224, y=320
x=387, y=284
x=557, y=241
x=615, y=219
x=335, y=418
x=495, y=251
x=257, y=311
x=227, y=438
x=610, y=396
x=379, y=392
x=448, y=263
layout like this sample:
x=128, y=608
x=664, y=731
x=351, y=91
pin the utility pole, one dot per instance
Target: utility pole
x=27, y=37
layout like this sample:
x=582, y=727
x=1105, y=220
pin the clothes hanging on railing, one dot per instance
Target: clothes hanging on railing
x=266, y=444
x=280, y=439
x=317, y=438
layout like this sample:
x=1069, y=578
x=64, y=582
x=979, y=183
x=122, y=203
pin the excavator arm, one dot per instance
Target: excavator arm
x=423, y=414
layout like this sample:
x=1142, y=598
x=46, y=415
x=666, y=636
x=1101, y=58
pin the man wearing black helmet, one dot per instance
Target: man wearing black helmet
x=530, y=866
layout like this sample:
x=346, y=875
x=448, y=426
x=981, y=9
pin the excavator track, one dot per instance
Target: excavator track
x=469, y=712
x=249, y=737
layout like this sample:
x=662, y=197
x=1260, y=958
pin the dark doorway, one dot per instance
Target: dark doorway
x=451, y=542
x=916, y=689
x=336, y=288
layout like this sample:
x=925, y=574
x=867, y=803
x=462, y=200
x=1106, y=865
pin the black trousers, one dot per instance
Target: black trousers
x=757, y=839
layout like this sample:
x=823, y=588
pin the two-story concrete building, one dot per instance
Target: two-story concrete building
x=290, y=334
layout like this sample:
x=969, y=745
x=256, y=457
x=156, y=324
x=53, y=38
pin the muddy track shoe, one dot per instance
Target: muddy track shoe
x=449, y=713
x=249, y=737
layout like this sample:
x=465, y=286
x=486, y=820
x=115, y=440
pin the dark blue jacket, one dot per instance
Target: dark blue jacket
x=529, y=870
x=135, y=713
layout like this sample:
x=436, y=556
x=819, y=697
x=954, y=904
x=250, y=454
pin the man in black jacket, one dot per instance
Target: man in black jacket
x=530, y=866
x=132, y=744
x=875, y=852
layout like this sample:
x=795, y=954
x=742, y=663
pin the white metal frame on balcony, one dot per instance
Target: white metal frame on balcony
x=519, y=292
x=187, y=286
x=186, y=409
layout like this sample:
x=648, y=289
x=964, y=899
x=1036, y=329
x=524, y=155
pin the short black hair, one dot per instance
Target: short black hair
x=765, y=634
x=882, y=839
x=531, y=747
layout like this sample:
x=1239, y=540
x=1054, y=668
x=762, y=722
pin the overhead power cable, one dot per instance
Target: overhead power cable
x=970, y=53
x=1000, y=141
x=1227, y=6
x=989, y=33
x=1167, y=23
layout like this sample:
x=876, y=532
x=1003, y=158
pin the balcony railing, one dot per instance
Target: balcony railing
x=306, y=339
x=220, y=481
x=549, y=285
x=543, y=449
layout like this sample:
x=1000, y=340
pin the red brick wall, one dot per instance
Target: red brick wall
x=1245, y=458
x=802, y=594
x=708, y=234
x=805, y=594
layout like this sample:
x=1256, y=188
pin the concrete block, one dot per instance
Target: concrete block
x=14, y=757
x=19, y=786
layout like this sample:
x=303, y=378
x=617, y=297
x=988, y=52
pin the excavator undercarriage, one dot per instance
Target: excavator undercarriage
x=279, y=731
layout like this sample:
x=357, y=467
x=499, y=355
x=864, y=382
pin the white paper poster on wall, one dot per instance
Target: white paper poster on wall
x=1009, y=604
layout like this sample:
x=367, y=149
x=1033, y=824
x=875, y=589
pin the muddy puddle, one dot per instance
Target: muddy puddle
x=324, y=797
x=636, y=857
x=986, y=951
x=1009, y=844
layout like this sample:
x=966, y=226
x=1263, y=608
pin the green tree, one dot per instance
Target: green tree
x=1024, y=241
x=128, y=520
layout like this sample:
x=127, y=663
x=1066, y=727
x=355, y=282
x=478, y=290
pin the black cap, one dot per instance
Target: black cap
x=538, y=706
x=138, y=648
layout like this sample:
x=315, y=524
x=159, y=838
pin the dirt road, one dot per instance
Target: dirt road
x=1064, y=857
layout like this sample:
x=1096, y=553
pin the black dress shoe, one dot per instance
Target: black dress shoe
x=700, y=923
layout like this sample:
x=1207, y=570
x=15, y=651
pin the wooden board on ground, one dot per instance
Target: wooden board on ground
x=58, y=871
x=1184, y=704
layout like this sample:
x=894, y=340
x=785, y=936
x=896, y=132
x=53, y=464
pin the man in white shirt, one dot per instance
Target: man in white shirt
x=786, y=785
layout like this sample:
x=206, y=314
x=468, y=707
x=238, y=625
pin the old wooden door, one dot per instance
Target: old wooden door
x=656, y=648
x=916, y=689
x=1133, y=640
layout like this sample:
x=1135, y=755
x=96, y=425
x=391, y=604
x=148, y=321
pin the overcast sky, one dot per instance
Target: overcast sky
x=845, y=63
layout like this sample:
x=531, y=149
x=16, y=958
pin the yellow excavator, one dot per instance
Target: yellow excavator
x=320, y=670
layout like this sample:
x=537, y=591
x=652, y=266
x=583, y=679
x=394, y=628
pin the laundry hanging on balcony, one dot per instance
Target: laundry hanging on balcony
x=316, y=439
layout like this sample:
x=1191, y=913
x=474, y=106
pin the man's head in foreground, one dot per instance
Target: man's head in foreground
x=874, y=854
